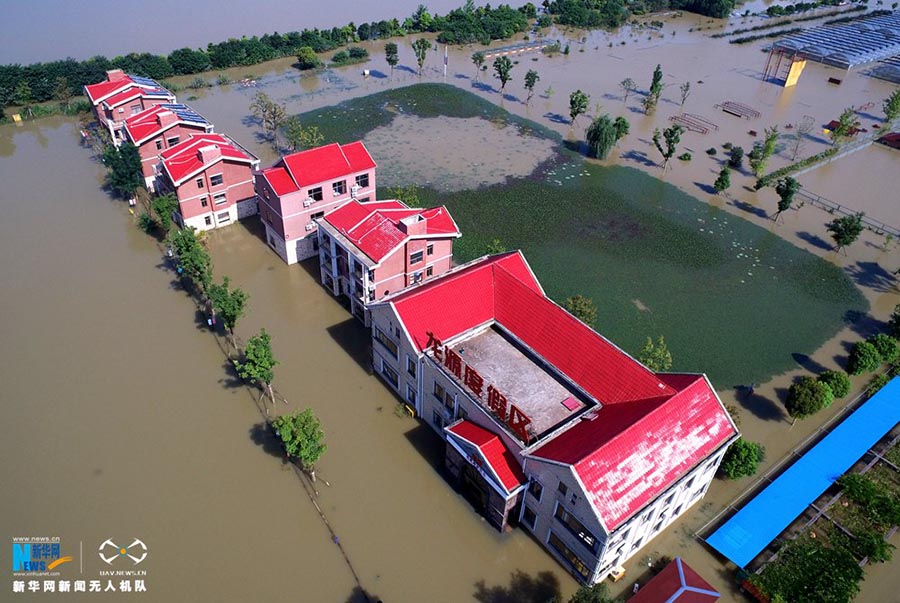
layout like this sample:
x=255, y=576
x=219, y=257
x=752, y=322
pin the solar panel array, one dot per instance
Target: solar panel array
x=850, y=44
x=144, y=81
x=186, y=113
x=888, y=69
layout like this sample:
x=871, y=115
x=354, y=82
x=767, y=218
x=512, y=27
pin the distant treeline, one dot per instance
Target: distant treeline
x=39, y=82
x=613, y=13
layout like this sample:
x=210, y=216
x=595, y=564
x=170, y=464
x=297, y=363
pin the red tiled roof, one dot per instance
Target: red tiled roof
x=145, y=124
x=135, y=92
x=375, y=227
x=327, y=163
x=457, y=300
x=676, y=583
x=123, y=89
x=183, y=159
x=279, y=180
x=502, y=462
x=632, y=452
x=97, y=92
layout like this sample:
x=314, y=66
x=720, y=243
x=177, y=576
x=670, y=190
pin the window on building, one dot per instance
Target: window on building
x=171, y=142
x=430, y=249
x=224, y=217
x=576, y=528
x=678, y=510
x=216, y=180
x=135, y=109
x=339, y=187
x=659, y=526
x=158, y=144
x=315, y=193
x=560, y=547
x=411, y=394
x=437, y=419
x=462, y=413
x=670, y=499
x=690, y=483
x=429, y=271
x=385, y=342
x=535, y=488
x=362, y=181
x=317, y=215
x=204, y=201
x=411, y=366
x=562, y=488
x=439, y=391
x=365, y=200
x=208, y=221
x=390, y=374
x=199, y=182
x=529, y=517
x=219, y=199
x=416, y=257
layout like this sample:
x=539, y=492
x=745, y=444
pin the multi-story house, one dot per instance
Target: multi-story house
x=303, y=187
x=546, y=423
x=159, y=128
x=368, y=250
x=122, y=96
x=212, y=178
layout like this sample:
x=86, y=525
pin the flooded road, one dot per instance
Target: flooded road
x=120, y=421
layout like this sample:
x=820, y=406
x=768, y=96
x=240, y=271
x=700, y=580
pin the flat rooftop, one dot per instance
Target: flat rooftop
x=520, y=376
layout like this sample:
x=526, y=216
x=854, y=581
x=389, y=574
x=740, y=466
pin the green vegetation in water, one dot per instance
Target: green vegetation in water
x=732, y=299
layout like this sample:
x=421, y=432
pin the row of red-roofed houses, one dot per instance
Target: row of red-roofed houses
x=546, y=424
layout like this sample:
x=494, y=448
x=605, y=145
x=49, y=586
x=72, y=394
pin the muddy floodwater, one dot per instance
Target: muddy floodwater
x=120, y=421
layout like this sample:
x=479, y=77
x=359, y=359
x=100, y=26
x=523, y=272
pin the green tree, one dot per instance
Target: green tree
x=892, y=106
x=685, y=93
x=193, y=259
x=893, y=325
x=408, y=194
x=628, y=86
x=671, y=136
x=23, y=97
x=741, y=459
x=846, y=126
x=392, y=56
x=763, y=151
x=601, y=137
x=736, y=157
x=307, y=59
x=807, y=397
x=125, y=174
x=258, y=365
x=63, y=93
x=656, y=87
x=478, y=60
x=809, y=571
x=886, y=346
x=801, y=133
x=302, y=437
x=864, y=358
x=270, y=114
x=531, y=78
x=503, y=68
x=596, y=593
x=622, y=128
x=578, y=104
x=656, y=357
x=495, y=246
x=846, y=229
x=421, y=48
x=582, y=308
x=229, y=304
x=723, y=182
x=877, y=382
x=786, y=188
x=164, y=206
x=299, y=137
x=838, y=381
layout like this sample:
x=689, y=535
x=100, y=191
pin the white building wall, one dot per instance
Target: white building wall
x=214, y=219
x=384, y=361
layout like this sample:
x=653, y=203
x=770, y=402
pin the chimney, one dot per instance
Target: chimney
x=208, y=153
x=166, y=118
x=114, y=75
x=413, y=225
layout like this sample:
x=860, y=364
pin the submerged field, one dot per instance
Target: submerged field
x=732, y=299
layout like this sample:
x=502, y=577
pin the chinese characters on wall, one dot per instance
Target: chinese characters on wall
x=493, y=399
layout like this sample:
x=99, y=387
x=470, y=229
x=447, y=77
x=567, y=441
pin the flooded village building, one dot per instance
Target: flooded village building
x=121, y=96
x=547, y=424
x=302, y=187
x=160, y=128
x=368, y=250
x=212, y=177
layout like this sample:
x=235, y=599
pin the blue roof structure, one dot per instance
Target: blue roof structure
x=185, y=113
x=752, y=528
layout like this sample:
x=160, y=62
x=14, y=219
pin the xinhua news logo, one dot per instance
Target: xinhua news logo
x=37, y=555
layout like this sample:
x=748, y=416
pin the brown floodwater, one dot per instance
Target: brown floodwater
x=121, y=421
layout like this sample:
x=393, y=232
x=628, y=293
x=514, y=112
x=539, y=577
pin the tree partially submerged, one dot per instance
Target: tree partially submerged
x=847, y=125
x=270, y=114
x=302, y=437
x=125, y=175
x=656, y=87
x=838, y=381
x=228, y=304
x=723, y=182
x=301, y=137
x=786, y=188
x=503, y=69
x=656, y=357
x=578, y=104
x=420, y=48
x=671, y=136
x=164, y=207
x=628, y=87
x=409, y=194
x=741, y=459
x=193, y=258
x=258, y=364
x=864, y=358
x=807, y=397
x=846, y=229
x=478, y=60
x=600, y=137
x=391, y=56
x=531, y=78
x=582, y=308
